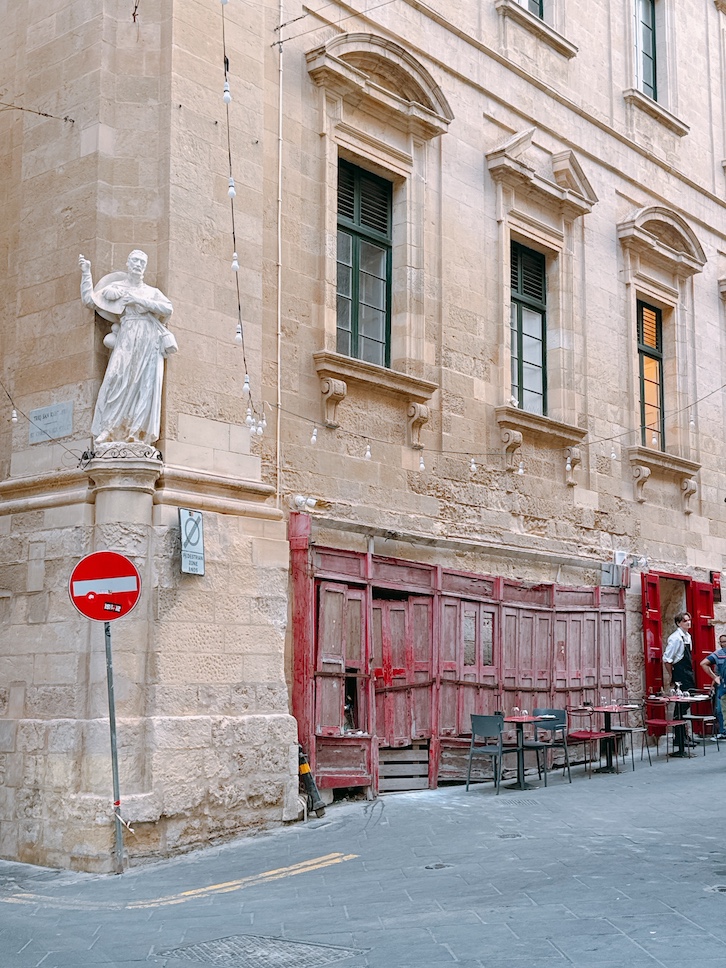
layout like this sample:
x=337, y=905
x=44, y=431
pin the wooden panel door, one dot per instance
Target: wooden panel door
x=575, y=657
x=526, y=657
x=476, y=667
x=702, y=630
x=612, y=655
x=402, y=669
x=652, y=633
x=341, y=700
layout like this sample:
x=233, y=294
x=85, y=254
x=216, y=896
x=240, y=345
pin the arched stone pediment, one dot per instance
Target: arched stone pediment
x=363, y=66
x=662, y=236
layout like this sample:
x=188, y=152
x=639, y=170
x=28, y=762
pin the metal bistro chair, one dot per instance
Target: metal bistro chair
x=632, y=729
x=707, y=721
x=557, y=728
x=489, y=729
x=662, y=726
x=590, y=737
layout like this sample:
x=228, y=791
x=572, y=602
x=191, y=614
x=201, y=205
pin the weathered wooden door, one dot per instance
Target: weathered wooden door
x=341, y=666
x=702, y=630
x=469, y=681
x=526, y=657
x=612, y=655
x=575, y=657
x=402, y=647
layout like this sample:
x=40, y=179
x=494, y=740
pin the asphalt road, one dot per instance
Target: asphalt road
x=625, y=869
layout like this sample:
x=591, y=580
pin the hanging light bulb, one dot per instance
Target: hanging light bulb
x=14, y=416
x=472, y=466
x=692, y=422
x=226, y=97
x=238, y=341
x=246, y=384
x=613, y=455
x=225, y=2
x=368, y=452
x=513, y=401
x=568, y=465
x=231, y=190
x=654, y=439
x=520, y=469
x=248, y=419
x=314, y=438
x=235, y=263
x=259, y=430
x=421, y=465
x=263, y=422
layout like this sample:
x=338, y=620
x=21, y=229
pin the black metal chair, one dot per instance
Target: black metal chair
x=631, y=730
x=489, y=729
x=706, y=722
x=591, y=738
x=556, y=726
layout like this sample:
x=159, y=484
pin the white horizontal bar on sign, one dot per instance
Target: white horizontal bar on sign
x=104, y=586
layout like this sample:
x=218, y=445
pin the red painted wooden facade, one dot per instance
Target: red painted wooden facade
x=390, y=654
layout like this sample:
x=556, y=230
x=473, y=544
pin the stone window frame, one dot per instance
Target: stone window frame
x=663, y=108
x=380, y=108
x=556, y=189
x=658, y=245
x=548, y=29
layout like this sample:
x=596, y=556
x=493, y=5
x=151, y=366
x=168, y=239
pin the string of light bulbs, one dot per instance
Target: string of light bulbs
x=255, y=419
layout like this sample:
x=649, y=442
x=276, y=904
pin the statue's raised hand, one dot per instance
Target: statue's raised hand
x=84, y=264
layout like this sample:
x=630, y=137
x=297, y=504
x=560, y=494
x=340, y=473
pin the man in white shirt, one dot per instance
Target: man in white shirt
x=677, y=655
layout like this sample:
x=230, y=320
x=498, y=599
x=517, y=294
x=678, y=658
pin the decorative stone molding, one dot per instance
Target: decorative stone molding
x=540, y=429
x=641, y=473
x=663, y=465
x=345, y=371
x=49, y=490
x=569, y=192
x=722, y=282
x=663, y=239
x=123, y=474
x=512, y=440
x=182, y=487
x=333, y=392
x=418, y=415
x=689, y=487
x=396, y=88
x=636, y=99
x=548, y=35
x=574, y=458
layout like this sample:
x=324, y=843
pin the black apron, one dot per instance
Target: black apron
x=683, y=670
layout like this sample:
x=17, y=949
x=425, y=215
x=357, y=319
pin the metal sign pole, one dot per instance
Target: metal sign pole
x=114, y=753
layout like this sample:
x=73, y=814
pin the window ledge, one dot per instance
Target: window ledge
x=548, y=35
x=720, y=5
x=636, y=98
x=646, y=462
x=534, y=424
x=337, y=371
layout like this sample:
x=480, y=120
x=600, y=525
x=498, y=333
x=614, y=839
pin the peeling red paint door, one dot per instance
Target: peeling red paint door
x=402, y=641
x=478, y=688
x=526, y=657
x=612, y=655
x=340, y=695
x=575, y=659
x=652, y=633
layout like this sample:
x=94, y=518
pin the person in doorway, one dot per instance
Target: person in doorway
x=678, y=662
x=677, y=655
x=714, y=665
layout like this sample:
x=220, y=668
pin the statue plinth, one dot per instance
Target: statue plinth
x=123, y=479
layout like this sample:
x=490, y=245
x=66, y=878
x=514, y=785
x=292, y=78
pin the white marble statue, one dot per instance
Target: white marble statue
x=128, y=408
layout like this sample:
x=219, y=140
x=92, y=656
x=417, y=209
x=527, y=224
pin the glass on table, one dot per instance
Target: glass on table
x=515, y=711
x=525, y=713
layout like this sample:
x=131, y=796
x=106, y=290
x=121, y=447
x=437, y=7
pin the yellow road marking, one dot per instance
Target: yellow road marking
x=316, y=863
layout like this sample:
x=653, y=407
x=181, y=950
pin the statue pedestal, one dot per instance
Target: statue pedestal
x=123, y=479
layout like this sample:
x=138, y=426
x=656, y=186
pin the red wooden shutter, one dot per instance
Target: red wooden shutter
x=652, y=633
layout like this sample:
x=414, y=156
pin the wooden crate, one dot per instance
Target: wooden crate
x=403, y=769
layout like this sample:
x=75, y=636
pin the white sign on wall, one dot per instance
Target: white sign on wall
x=192, y=542
x=51, y=422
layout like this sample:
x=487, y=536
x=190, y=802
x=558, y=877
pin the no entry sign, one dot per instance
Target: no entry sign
x=104, y=586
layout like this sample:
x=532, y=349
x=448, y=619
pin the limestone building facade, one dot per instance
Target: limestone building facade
x=481, y=279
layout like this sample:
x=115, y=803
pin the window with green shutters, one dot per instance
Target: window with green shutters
x=650, y=353
x=364, y=265
x=534, y=6
x=529, y=329
x=645, y=47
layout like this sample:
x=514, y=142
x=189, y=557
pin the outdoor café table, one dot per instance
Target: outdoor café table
x=519, y=722
x=681, y=703
x=607, y=712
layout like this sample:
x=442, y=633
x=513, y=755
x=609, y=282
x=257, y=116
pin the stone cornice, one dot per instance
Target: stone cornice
x=184, y=487
x=658, y=460
x=636, y=98
x=542, y=30
x=338, y=367
x=50, y=490
x=540, y=428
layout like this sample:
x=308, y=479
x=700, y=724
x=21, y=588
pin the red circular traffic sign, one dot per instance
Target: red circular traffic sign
x=104, y=586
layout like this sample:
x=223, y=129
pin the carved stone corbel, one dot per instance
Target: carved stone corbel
x=641, y=473
x=574, y=457
x=512, y=440
x=418, y=415
x=688, y=488
x=333, y=392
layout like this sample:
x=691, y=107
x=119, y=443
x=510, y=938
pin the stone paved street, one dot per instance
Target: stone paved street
x=614, y=870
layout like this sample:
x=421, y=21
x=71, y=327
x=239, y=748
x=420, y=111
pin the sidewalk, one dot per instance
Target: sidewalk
x=614, y=870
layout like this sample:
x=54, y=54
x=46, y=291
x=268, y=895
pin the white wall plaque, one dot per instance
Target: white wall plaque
x=192, y=542
x=51, y=422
